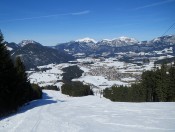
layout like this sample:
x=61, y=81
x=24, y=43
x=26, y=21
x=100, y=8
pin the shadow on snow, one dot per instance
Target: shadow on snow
x=46, y=100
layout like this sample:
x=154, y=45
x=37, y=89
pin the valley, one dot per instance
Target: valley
x=105, y=63
x=99, y=74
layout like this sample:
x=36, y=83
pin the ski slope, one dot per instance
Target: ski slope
x=60, y=113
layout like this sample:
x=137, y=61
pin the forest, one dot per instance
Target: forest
x=155, y=86
x=74, y=88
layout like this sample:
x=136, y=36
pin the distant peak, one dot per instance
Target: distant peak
x=86, y=40
x=25, y=42
x=127, y=39
x=106, y=40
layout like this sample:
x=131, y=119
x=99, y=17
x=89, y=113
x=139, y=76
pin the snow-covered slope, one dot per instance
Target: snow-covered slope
x=60, y=113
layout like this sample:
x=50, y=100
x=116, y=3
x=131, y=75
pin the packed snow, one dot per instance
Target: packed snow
x=59, y=113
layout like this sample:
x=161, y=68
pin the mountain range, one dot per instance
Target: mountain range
x=34, y=54
x=122, y=44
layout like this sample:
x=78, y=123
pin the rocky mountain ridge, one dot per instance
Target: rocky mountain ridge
x=34, y=54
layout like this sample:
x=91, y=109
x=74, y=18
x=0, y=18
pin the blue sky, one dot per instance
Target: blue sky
x=54, y=21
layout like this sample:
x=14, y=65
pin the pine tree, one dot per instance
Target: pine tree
x=162, y=83
x=148, y=82
x=15, y=88
x=171, y=88
x=8, y=79
x=24, y=92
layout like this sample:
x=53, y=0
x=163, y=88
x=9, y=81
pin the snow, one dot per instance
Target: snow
x=86, y=40
x=156, y=39
x=48, y=77
x=99, y=81
x=84, y=69
x=127, y=39
x=41, y=77
x=60, y=113
x=9, y=48
x=128, y=79
x=25, y=42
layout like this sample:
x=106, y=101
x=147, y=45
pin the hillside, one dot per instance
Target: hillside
x=35, y=54
x=57, y=112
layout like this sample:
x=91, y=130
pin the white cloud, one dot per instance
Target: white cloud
x=155, y=4
x=81, y=13
x=48, y=16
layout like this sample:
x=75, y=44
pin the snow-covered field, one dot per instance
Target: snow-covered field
x=60, y=113
x=100, y=74
x=48, y=77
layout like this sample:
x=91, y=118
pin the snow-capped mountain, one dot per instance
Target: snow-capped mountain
x=127, y=39
x=86, y=40
x=26, y=42
x=85, y=45
x=164, y=39
x=121, y=44
x=89, y=45
x=36, y=54
x=118, y=42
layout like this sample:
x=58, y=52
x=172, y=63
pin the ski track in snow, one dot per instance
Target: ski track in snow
x=60, y=113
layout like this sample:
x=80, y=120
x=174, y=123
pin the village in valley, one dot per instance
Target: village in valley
x=101, y=72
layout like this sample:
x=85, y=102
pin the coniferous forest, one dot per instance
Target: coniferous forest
x=155, y=86
x=75, y=89
x=15, y=88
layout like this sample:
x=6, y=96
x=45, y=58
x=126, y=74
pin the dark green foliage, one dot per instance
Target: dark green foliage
x=50, y=87
x=125, y=94
x=149, y=85
x=116, y=93
x=155, y=86
x=136, y=93
x=76, y=89
x=15, y=89
x=171, y=82
x=36, y=91
x=71, y=72
x=8, y=79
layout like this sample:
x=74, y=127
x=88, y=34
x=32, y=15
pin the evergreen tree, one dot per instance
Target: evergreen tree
x=76, y=89
x=15, y=89
x=149, y=85
x=24, y=92
x=171, y=88
x=8, y=79
x=157, y=85
x=162, y=83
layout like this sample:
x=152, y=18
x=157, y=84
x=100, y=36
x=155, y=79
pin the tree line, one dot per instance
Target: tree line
x=155, y=86
x=71, y=72
x=15, y=88
x=74, y=88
